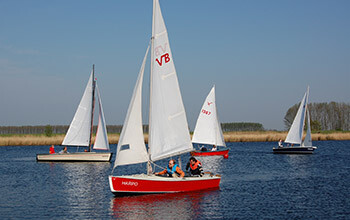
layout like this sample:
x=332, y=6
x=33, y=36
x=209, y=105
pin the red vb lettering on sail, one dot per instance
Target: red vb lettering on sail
x=206, y=112
x=166, y=59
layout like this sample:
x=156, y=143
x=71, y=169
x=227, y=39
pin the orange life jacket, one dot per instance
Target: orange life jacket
x=195, y=166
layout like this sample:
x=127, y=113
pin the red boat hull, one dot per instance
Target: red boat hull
x=142, y=184
x=210, y=153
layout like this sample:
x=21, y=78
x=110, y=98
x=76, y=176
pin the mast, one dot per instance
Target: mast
x=92, y=106
x=149, y=166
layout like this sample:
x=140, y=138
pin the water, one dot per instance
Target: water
x=256, y=184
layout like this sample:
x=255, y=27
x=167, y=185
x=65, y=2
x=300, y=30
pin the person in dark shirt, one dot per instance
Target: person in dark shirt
x=195, y=167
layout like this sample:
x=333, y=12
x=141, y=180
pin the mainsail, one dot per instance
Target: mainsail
x=168, y=128
x=79, y=130
x=131, y=147
x=295, y=133
x=208, y=128
x=101, y=140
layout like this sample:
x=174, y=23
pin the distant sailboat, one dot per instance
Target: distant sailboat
x=295, y=133
x=168, y=128
x=80, y=130
x=208, y=129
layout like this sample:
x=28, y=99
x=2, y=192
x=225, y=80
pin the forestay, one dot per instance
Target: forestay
x=131, y=147
x=168, y=131
x=79, y=130
x=295, y=133
x=208, y=128
x=101, y=140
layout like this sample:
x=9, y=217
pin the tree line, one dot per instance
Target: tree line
x=323, y=116
x=49, y=130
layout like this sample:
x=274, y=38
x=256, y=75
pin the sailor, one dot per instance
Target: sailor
x=195, y=167
x=52, y=149
x=214, y=148
x=280, y=143
x=172, y=170
x=64, y=151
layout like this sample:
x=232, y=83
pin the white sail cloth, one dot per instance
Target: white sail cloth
x=295, y=133
x=101, y=140
x=208, y=129
x=79, y=130
x=168, y=128
x=131, y=147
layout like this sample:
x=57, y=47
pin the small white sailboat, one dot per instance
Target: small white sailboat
x=80, y=130
x=168, y=128
x=295, y=134
x=208, y=129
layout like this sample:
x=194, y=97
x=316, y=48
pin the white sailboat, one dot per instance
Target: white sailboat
x=295, y=134
x=168, y=128
x=208, y=129
x=80, y=130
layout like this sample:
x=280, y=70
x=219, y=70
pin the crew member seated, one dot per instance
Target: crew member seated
x=172, y=170
x=195, y=167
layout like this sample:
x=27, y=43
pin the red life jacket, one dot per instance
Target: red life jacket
x=52, y=150
x=195, y=166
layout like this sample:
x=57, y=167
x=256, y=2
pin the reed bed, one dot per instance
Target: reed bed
x=252, y=136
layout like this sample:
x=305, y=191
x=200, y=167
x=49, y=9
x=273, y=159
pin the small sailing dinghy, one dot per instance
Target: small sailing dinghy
x=80, y=131
x=295, y=133
x=208, y=130
x=168, y=128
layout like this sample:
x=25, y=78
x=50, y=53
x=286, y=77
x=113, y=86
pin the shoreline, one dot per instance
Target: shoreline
x=239, y=136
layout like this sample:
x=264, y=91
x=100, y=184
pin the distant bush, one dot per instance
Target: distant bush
x=242, y=126
x=48, y=131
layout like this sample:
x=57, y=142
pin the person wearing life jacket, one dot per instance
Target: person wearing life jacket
x=172, y=170
x=195, y=167
x=52, y=149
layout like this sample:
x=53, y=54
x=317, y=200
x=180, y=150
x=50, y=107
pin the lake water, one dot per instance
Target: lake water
x=256, y=184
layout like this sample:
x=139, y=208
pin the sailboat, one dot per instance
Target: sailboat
x=168, y=129
x=80, y=130
x=208, y=129
x=295, y=133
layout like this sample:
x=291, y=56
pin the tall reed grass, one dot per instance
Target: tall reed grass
x=252, y=136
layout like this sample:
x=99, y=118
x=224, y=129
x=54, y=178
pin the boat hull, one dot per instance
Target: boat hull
x=144, y=184
x=75, y=157
x=294, y=150
x=210, y=153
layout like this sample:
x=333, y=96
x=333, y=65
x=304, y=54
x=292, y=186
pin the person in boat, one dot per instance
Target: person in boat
x=195, y=167
x=52, y=149
x=214, y=148
x=280, y=143
x=172, y=170
x=64, y=151
x=203, y=148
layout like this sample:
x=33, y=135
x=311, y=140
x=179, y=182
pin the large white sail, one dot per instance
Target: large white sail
x=208, y=128
x=78, y=133
x=168, y=128
x=101, y=140
x=131, y=147
x=308, y=141
x=295, y=133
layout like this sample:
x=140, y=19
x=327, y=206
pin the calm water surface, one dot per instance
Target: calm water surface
x=256, y=184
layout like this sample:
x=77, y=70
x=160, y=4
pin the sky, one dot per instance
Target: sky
x=260, y=55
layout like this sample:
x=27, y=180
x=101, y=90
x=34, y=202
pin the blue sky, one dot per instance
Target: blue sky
x=261, y=55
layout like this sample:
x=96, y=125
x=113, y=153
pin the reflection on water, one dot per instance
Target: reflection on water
x=212, y=163
x=164, y=206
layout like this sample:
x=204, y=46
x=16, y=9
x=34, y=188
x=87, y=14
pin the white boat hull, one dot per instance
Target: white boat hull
x=76, y=157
